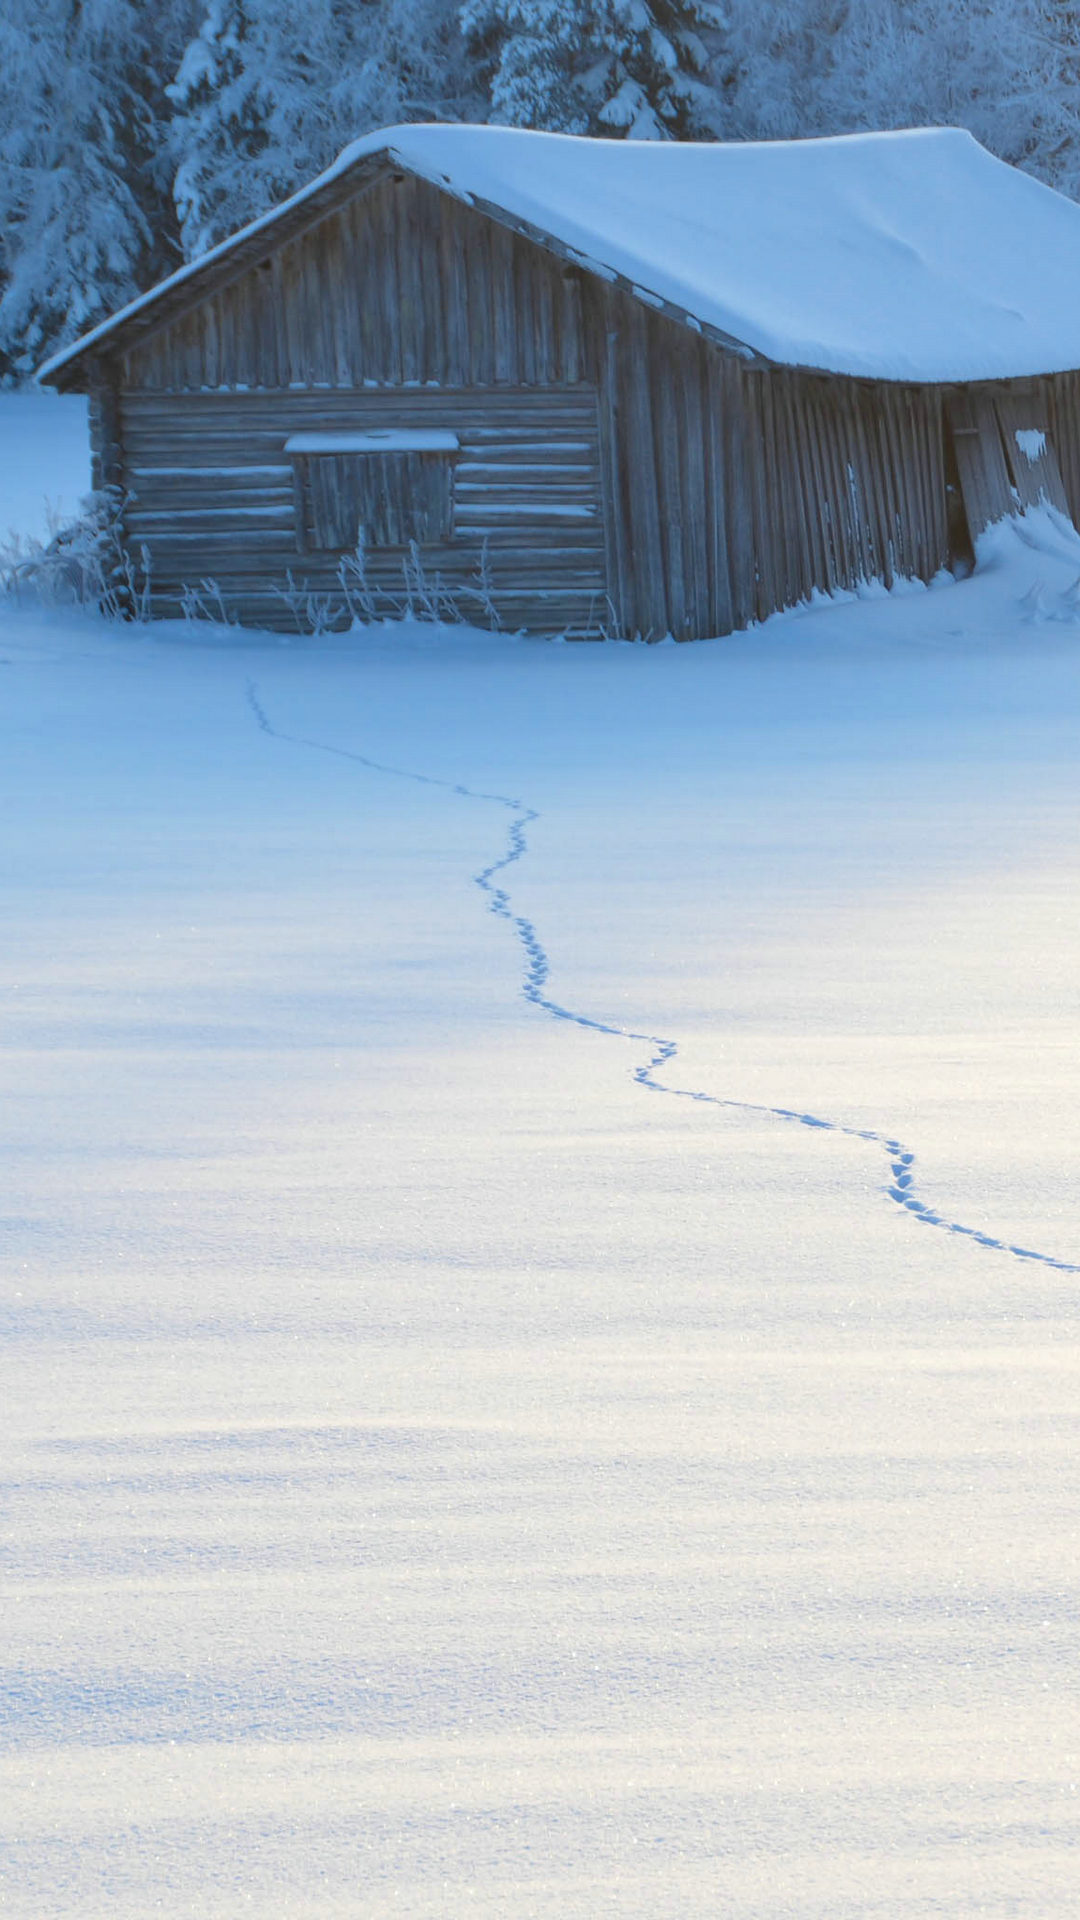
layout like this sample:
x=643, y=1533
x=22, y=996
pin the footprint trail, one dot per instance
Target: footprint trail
x=901, y=1189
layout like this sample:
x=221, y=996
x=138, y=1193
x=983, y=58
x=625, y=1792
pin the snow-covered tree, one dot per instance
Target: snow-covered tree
x=1006, y=69
x=84, y=210
x=630, y=68
x=267, y=93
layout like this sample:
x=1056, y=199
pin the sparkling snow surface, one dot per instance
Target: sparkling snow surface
x=898, y=256
x=442, y=1475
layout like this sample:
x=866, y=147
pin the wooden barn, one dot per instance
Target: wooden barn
x=592, y=387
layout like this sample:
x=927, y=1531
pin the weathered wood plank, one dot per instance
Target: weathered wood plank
x=933, y=440
x=721, y=610
x=572, y=352
x=1063, y=397
x=894, y=461
x=272, y=550
x=509, y=321
x=1029, y=451
x=208, y=519
x=777, y=488
x=818, y=482
x=766, y=597
x=564, y=402
x=833, y=482
x=783, y=516
x=639, y=495
x=693, y=486
x=871, y=504
x=887, y=452
x=859, y=515
x=917, y=493
x=985, y=481
x=817, y=566
x=663, y=371
x=167, y=495
x=733, y=430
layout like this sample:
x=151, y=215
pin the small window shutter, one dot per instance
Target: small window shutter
x=386, y=499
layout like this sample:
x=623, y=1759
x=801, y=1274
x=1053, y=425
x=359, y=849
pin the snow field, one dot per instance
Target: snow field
x=442, y=1475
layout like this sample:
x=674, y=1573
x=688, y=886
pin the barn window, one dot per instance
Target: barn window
x=385, y=488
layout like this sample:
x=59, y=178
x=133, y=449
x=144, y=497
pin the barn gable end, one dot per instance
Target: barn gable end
x=400, y=309
x=400, y=286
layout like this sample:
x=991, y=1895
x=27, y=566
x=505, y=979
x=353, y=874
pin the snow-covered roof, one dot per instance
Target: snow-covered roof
x=898, y=256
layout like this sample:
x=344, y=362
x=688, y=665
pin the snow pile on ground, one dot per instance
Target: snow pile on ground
x=900, y=256
x=446, y=1472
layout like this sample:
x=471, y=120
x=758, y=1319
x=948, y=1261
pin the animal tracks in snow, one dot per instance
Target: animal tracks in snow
x=901, y=1189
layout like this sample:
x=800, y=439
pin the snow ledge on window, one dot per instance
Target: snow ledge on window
x=378, y=440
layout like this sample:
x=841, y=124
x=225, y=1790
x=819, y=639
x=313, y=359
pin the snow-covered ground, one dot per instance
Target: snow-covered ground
x=443, y=1473
x=44, y=461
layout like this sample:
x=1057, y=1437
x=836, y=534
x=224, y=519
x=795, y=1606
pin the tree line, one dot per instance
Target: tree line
x=134, y=134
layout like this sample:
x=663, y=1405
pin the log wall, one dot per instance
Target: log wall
x=211, y=497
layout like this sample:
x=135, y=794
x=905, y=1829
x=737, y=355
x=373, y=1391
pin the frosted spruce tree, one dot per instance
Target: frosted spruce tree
x=632, y=68
x=1007, y=70
x=253, y=100
x=268, y=93
x=85, y=212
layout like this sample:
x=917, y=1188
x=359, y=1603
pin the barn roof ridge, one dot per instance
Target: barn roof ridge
x=912, y=255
